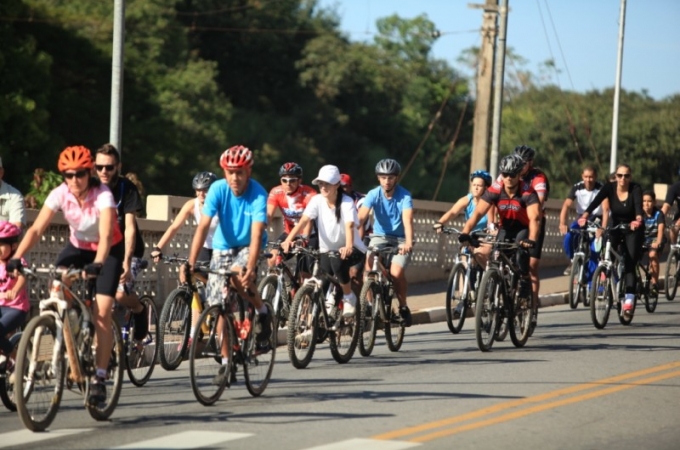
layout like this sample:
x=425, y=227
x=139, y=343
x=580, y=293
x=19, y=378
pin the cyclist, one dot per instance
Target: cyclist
x=95, y=244
x=583, y=193
x=128, y=205
x=200, y=183
x=12, y=208
x=336, y=220
x=240, y=203
x=625, y=203
x=673, y=196
x=518, y=208
x=358, y=197
x=392, y=207
x=14, y=304
x=655, y=224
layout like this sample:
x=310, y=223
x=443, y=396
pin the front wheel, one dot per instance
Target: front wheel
x=114, y=377
x=394, y=325
x=520, y=320
x=208, y=376
x=576, y=288
x=141, y=355
x=258, y=367
x=369, y=301
x=601, y=297
x=672, y=273
x=456, y=298
x=302, y=326
x=651, y=300
x=7, y=391
x=175, y=325
x=343, y=340
x=489, y=301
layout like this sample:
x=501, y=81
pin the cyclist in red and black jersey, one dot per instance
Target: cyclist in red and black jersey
x=517, y=205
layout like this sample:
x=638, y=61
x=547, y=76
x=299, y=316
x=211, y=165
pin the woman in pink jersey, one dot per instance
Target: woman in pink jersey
x=95, y=244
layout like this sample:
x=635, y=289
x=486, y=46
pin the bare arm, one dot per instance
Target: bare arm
x=34, y=232
x=271, y=209
x=363, y=216
x=457, y=207
x=256, y=231
x=199, y=239
x=182, y=217
x=107, y=220
x=564, y=214
x=534, y=214
x=407, y=218
x=304, y=220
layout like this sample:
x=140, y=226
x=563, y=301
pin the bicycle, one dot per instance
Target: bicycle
x=378, y=306
x=56, y=347
x=607, y=281
x=140, y=355
x=672, y=270
x=644, y=285
x=7, y=391
x=578, y=277
x=240, y=329
x=498, y=299
x=279, y=285
x=459, y=292
x=175, y=320
x=308, y=318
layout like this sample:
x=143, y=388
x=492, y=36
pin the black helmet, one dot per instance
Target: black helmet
x=203, y=180
x=511, y=164
x=291, y=168
x=526, y=153
x=387, y=167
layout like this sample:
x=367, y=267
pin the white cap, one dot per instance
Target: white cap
x=329, y=174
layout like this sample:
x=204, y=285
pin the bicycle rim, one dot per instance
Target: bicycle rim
x=302, y=327
x=368, y=301
x=394, y=329
x=575, y=282
x=205, y=358
x=672, y=272
x=486, y=312
x=174, y=328
x=6, y=388
x=456, y=299
x=270, y=293
x=114, y=379
x=343, y=341
x=141, y=356
x=601, y=298
x=39, y=373
x=257, y=369
x=520, y=321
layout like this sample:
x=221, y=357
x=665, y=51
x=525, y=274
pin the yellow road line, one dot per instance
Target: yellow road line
x=521, y=402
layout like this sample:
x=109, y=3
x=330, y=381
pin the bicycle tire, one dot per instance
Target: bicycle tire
x=343, y=341
x=394, y=329
x=502, y=330
x=269, y=289
x=369, y=301
x=575, y=286
x=114, y=372
x=205, y=358
x=302, y=326
x=455, y=295
x=519, y=321
x=258, y=367
x=601, y=298
x=7, y=390
x=486, y=312
x=39, y=333
x=651, y=301
x=672, y=272
x=174, y=328
x=141, y=357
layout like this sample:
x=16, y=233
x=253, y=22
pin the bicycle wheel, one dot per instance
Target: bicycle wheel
x=141, y=356
x=302, y=327
x=343, y=340
x=39, y=373
x=394, y=326
x=368, y=301
x=486, y=311
x=503, y=328
x=278, y=298
x=258, y=367
x=175, y=325
x=114, y=375
x=601, y=298
x=651, y=300
x=208, y=377
x=575, y=286
x=672, y=272
x=520, y=320
x=6, y=388
x=456, y=301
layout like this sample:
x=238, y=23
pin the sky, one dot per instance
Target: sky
x=581, y=36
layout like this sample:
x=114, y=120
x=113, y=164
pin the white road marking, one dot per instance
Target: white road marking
x=22, y=437
x=366, y=444
x=187, y=439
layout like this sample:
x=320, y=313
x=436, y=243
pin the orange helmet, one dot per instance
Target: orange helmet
x=236, y=157
x=76, y=157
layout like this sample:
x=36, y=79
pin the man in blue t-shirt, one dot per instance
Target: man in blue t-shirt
x=392, y=207
x=240, y=203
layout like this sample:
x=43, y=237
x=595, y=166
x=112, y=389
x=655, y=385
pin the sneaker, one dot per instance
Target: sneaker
x=348, y=309
x=567, y=271
x=303, y=339
x=141, y=324
x=265, y=327
x=405, y=314
x=654, y=290
x=221, y=377
x=533, y=324
x=179, y=346
x=628, y=306
x=458, y=311
x=97, y=392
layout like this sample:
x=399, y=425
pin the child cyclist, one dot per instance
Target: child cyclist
x=14, y=303
x=655, y=224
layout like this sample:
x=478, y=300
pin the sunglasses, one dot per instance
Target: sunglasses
x=101, y=167
x=78, y=174
x=289, y=180
x=622, y=175
x=509, y=175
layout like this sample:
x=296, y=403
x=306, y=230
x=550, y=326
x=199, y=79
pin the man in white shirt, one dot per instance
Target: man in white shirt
x=12, y=207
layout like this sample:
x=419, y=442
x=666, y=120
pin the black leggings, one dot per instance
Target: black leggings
x=333, y=265
x=10, y=320
x=631, y=251
x=107, y=282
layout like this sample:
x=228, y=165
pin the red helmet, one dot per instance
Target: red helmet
x=236, y=157
x=74, y=158
x=9, y=232
x=345, y=179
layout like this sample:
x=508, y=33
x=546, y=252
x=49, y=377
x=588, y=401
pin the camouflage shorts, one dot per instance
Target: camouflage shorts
x=237, y=257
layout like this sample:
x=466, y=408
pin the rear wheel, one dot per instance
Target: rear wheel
x=141, y=355
x=209, y=377
x=7, y=390
x=601, y=298
x=302, y=327
x=174, y=328
x=257, y=369
x=394, y=326
x=672, y=267
x=520, y=320
x=114, y=378
x=576, y=288
x=456, y=298
x=651, y=300
x=369, y=303
x=39, y=373
x=277, y=298
x=343, y=340
x=487, y=311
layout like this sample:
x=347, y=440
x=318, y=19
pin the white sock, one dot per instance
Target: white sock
x=101, y=373
x=263, y=309
x=225, y=361
x=350, y=298
x=192, y=333
x=630, y=298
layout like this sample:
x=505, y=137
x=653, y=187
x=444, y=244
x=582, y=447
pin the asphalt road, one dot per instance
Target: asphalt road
x=572, y=386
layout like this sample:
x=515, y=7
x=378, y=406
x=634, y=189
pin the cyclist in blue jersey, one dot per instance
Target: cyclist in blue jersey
x=392, y=207
x=240, y=203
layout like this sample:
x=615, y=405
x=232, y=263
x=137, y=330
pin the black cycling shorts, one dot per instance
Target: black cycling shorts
x=108, y=280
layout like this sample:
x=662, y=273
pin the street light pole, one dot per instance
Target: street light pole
x=115, y=125
x=617, y=91
x=499, y=67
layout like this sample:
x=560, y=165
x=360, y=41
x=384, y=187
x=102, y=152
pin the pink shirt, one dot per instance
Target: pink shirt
x=84, y=222
x=20, y=301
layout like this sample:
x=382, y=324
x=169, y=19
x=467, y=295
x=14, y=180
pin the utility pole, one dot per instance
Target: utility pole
x=485, y=61
x=617, y=91
x=499, y=71
x=115, y=125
